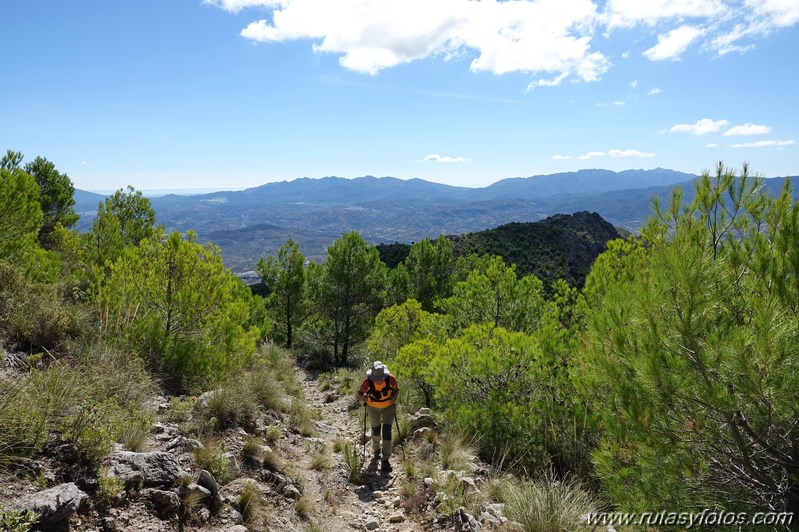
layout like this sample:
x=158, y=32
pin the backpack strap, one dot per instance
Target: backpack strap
x=382, y=395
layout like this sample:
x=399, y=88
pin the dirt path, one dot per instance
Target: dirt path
x=342, y=505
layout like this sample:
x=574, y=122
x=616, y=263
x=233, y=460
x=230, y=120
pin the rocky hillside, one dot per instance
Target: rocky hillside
x=295, y=466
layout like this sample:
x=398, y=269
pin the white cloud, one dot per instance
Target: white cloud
x=546, y=36
x=554, y=82
x=674, y=43
x=617, y=103
x=654, y=90
x=629, y=13
x=726, y=42
x=781, y=13
x=747, y=129
x=610, y=153
x=629, y=153
x=553, y=40
x=711, y=145
x=561, y=157
x=633, y=84
x=444, y=159
x=234, y=6
x=702, y=127
x=765, y=144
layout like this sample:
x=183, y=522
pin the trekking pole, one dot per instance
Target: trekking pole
x=363, y=435
x=396, y=420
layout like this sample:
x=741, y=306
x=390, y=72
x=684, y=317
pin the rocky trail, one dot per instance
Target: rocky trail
x=376, y=503
x=296, y=479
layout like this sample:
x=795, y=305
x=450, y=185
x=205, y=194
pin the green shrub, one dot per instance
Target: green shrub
x=354, y=462
x=17, y=520
x=180, y=409
x=91, y=429
x=108, y=486
x=454, y=493
x=273, y=433
x=32, y=315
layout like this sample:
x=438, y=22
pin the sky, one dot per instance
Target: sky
x=229, y=94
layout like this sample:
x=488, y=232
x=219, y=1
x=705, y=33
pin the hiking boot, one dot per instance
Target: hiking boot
x=385, y=467
x=377, y=454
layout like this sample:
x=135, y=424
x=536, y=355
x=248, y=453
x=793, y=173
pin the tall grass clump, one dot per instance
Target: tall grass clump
x=23, y=427
x=251, y=503
x=112, y=372
x=281, y=362
x=231, y=405
x=211, y=457
x=301, y=418
x=457, y=453
x=549, y=504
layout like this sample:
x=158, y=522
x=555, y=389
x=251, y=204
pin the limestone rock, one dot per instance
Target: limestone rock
x=197, y=492
x=152, y=469
x=422, y=419
x=207, y=481
x=165, y=503
x=55, y=505
x=465, y=522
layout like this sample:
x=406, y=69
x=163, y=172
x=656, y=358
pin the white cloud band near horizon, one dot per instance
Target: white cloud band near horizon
x=701, y=127
x=706, y=126
x=765, y=144
x=609, y=153
x=747, y=129
x=552, y=40
x=434, y=157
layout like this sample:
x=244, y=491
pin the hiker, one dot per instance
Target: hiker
x=378, y=393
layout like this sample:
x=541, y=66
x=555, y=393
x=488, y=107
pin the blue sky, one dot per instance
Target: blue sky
x=230, y=94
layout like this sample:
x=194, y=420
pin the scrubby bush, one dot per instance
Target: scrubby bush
x=33, y=316
x=108, y=486
x=172, y=299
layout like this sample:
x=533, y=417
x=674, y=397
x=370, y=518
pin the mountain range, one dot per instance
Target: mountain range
x=251, y=223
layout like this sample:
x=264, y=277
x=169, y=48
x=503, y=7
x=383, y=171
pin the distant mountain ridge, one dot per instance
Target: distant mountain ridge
x=254, y=222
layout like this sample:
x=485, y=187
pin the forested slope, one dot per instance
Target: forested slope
x=145, y=387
